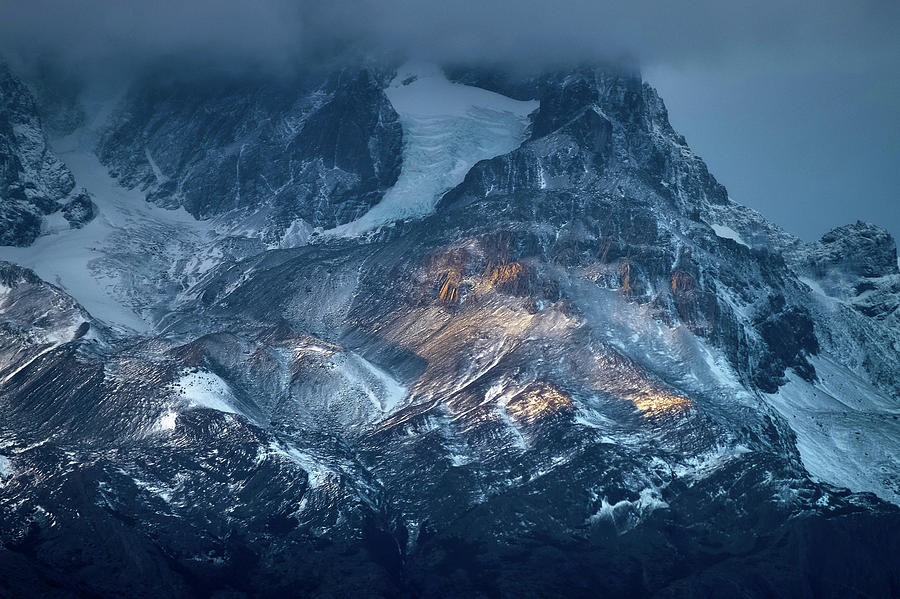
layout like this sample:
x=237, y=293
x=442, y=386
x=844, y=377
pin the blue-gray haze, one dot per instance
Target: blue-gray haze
x=795, y=104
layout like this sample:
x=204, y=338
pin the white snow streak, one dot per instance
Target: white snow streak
x=378, y=386
x=625, y=515
x=317, y=472
x=729, y=233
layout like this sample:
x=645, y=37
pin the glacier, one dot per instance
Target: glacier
x=99, y=263
x=447, y=128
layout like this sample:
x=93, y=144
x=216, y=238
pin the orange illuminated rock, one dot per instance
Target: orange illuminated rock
x=626, y=274
x=537, y=401
x=450, y=288
x=658, y=403
x=680, y=280
x=505, y=273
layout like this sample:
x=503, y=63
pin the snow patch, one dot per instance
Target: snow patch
x=701, y=466
x=625, y=515
x=457, y=460
x=728, y=233
x=161, y=492
x=296, y=235
x=447, y=128
x=6, y=469
x=203, y=389
x=848, y=433
x=167, y=421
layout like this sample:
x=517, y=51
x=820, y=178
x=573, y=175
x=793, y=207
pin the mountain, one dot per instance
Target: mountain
x=403, y=331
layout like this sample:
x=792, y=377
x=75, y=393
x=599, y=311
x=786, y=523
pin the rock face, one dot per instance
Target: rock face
x=857, y=263
x=861, y=249
x=320, y=149
x=33, y=182
x=605, y=167
x=586, y=372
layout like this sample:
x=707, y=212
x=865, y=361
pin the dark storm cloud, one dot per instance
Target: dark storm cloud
x=103, y=35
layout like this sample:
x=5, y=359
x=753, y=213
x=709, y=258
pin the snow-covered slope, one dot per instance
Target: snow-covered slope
x=847, y=430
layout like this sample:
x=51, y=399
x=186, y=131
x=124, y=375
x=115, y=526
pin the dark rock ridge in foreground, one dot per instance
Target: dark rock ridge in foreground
x=586, y=373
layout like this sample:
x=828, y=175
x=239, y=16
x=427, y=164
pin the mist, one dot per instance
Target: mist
x=97, y=36
x=794, y=103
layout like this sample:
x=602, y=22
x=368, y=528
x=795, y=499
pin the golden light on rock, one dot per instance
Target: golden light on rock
x=536, y=402
x=504, y=273
x=450, y=288
x=659, y=403
x=680, y=280
x=616, y=376
x=626, y=276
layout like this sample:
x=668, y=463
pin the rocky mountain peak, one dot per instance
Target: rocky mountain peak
x=860, y=248
x=320, y=148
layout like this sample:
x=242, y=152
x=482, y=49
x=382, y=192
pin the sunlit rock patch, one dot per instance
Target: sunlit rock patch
x=618, y=377
x=480, y=266
x=450, y=287
x=655, y=403
x=506, y=275
x=537, y=401
x=625, y=270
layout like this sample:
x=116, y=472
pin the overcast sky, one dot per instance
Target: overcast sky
x=812, y=144
x=795, y=104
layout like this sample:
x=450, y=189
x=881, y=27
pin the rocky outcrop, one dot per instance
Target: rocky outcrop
x=860, y=249
x=34, y=183
x=856, y=264
x=320, y=148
